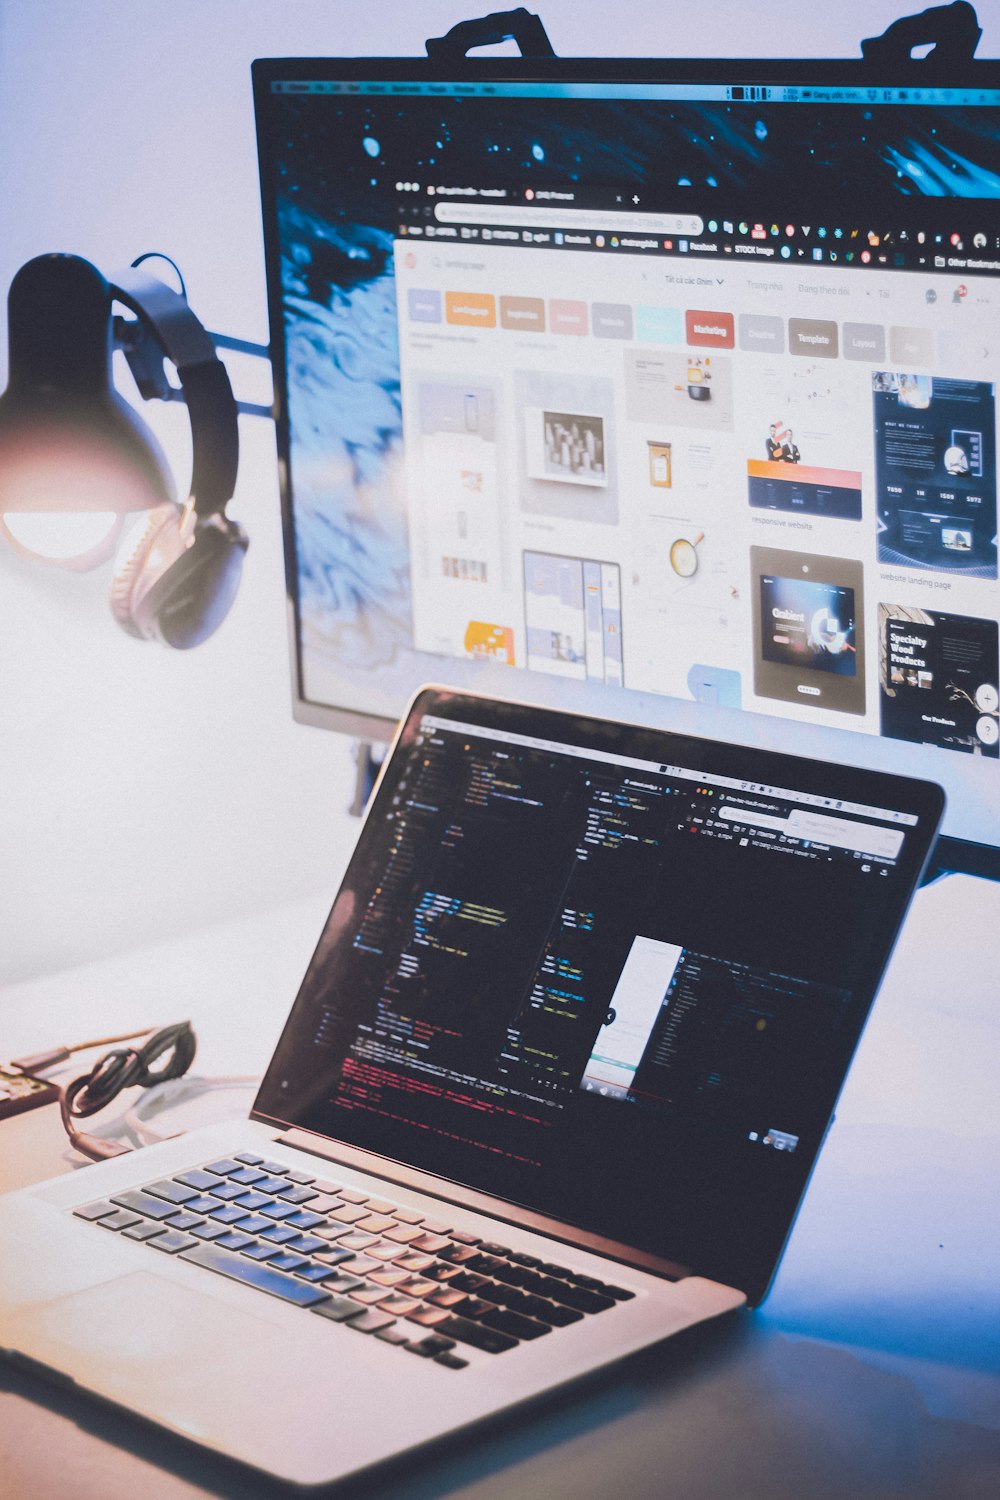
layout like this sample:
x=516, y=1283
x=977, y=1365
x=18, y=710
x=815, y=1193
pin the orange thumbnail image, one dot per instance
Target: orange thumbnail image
x=660, y=467
x=496, y=641
x=471, y=309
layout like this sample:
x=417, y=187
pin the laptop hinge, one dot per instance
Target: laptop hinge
x=496, y=1208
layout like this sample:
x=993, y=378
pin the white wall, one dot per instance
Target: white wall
x=144, y=791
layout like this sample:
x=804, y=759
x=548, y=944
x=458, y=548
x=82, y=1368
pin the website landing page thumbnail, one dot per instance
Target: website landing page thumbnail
x=572, y=617
x=935, y=459
x=938, y=679
x=788, y=485
x=808, y=629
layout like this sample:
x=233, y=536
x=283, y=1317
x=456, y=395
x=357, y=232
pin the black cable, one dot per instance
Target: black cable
x=130, y=1067
x=159, y=255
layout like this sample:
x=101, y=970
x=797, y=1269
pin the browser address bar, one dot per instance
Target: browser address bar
x=622, y=221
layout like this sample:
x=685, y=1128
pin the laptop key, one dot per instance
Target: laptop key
x=432, y=1243
x=275, y=1167
x=91, y=1211
x=121, y=1220
x=203, y=1204
x=279, y=1210
x=375, y=1223
x=252, y=1200
x=584, y=1301
x=297, y=1194
x=304, y=1219
x=348, y=1214
x=227, y=1191
x=171, y=1241
x=285, y=1260
x=419, y=1262
x=434, y=1344
x=561, y=1317
x=248, y=1175
x=305, y=1244
x=349, y=1195
x=334, y=1256
x=451, y=1361
x=280, y=1234
x=337, y=1309
x=397, y=1306
x=234, y=1239
x=302, y=1178
x=228, y=1213
x=380, y=1206
x=428, y=1317
x=142, y=1203
x=402, y=1234
x=310, y=1271
x=224, y=1167
x=142, y=1231
x=238, y=1268
x=248, y=1159
x=489, y=1340
x=254, y=1224
x=260, y=1251
x=341, y=1282
x=197, y=1179
x=209, y=1230
x=393, y=1334
x=183, y=1221
x=271, y=1184
x=173, y=1191
x=371, y=1321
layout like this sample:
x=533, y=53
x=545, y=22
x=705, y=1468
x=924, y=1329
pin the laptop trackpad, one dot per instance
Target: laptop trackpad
x=142, y=1339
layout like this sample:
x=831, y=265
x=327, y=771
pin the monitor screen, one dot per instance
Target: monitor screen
x=662, y=391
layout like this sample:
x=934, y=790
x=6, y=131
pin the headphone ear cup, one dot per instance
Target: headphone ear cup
x=192, y=598
x=152, y=554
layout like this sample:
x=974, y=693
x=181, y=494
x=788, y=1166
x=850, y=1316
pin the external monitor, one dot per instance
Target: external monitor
x=662, y=391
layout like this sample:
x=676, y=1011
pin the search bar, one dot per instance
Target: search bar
x=817, y=828
x=622, y=222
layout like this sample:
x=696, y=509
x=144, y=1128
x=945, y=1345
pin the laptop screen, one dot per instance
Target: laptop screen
x=610, y=974
x=656, y=391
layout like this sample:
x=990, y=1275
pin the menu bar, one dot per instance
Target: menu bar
x=752, y=91
x=431, y=723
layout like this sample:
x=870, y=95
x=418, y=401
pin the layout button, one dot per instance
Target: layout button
x=864, y=341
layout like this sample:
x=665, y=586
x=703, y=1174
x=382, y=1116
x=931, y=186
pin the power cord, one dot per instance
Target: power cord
x=123, y=1068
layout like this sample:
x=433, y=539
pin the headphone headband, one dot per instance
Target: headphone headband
x=165, y=315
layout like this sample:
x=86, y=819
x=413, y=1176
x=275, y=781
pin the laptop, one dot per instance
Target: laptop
x=551, y=1092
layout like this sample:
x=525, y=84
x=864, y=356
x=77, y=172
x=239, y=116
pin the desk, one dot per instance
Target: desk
x=873, y=1369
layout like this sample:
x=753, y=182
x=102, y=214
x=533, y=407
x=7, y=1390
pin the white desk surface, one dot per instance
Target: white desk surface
x=872, y=1370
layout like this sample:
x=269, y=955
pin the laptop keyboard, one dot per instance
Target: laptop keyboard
x=356, y=1259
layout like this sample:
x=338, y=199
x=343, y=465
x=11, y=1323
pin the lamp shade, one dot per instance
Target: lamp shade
x=68, y=442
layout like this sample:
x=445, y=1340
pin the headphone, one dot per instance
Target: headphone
x=182, y=576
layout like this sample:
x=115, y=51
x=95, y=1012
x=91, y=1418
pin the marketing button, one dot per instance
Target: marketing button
x=710, y=330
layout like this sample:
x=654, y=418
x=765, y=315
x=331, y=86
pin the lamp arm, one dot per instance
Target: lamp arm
x=145, y=360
